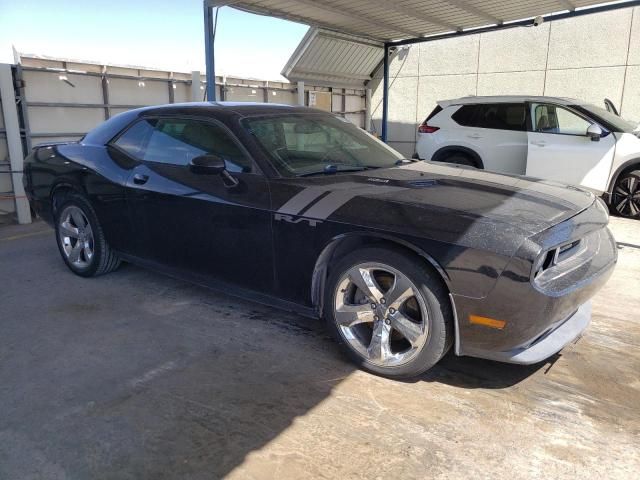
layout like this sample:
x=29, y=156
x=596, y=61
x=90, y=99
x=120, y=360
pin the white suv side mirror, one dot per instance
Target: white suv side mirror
x=594, y=132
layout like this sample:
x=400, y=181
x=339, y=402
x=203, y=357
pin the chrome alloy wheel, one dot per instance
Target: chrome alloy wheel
x=381, y=314
x=626, y=196
x=76, y=237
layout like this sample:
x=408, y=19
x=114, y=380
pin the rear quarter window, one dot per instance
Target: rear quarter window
x=433, y=113
x=465, y=115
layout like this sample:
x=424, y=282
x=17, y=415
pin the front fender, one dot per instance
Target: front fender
x=348, y=241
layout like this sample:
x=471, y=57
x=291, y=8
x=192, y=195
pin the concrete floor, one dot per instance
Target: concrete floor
x=135, y=375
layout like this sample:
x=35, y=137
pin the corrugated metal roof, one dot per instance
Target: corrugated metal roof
x=382, y=20
x=346, y=45
x=333, y=59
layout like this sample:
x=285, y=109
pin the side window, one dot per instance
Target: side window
x=571, y=124
x=177, y=141
x=514, y=116
x=465, y=115
x=433, y=113
x=501, y=116
x=554, y=119
x=134, y=140
x=497, y=116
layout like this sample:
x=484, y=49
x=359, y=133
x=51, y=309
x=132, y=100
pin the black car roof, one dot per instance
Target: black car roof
x=222, y=110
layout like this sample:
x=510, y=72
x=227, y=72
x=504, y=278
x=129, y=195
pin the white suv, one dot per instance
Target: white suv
x=552, y=138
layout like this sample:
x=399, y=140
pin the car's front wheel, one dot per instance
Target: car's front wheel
x=625, y=200
x=81, y=240
x=389, y=311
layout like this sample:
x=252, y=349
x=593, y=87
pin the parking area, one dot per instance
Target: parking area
x=137, y=375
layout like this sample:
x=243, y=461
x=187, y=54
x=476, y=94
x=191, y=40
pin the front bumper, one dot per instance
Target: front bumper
x=550, y=343
x=544, y=311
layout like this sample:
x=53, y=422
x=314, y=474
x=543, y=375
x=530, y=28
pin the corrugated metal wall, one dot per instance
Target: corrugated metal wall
x=6, y=201
x=64, y=100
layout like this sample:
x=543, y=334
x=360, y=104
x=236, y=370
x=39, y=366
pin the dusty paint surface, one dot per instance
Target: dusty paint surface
x=135, y=375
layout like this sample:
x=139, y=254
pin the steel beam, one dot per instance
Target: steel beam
x=385, y=91
x=171, y=85
x=14, y=142
x=209, y=49
x=80, y=105
x=105, y=93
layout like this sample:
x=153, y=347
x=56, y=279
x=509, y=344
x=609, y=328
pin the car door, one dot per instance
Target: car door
x=216, y=227
x=497, y=132
x=560, y=149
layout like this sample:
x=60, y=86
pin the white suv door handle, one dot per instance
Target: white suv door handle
x=474, y=135
x=539, y=143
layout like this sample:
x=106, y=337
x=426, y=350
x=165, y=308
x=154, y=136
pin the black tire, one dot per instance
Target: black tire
x=430, y=286
x=625, y=198
x=104, y=259
x=460, y=159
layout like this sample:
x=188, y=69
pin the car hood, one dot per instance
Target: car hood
x=525, y=203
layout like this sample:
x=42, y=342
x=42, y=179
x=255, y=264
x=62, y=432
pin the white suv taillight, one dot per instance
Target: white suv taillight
x=424, y=128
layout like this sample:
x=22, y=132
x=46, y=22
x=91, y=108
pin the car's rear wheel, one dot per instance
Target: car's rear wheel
x=625, y=200
x=389, y=311
x=81, y=240
x=460, y=159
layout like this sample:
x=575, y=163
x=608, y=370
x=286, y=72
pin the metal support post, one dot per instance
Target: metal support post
x=367, y=111
x=209, y=49
x=385, y=92
x=301, y=101
x=14, y=142
x=195, y=86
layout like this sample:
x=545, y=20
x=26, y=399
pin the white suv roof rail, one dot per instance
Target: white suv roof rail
x=507, y=99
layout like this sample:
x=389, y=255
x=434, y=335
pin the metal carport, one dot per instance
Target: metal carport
x=391, y=24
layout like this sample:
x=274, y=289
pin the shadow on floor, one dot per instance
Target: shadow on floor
x=136, y=375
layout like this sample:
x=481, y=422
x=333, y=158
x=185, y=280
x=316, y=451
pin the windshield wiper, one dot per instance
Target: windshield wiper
x=333, y=169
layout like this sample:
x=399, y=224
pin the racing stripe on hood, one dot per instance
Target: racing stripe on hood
x=336, y=198
x=332, y=202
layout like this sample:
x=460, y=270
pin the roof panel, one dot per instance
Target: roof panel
x=347, y=44
x=329, y=58
x=382, y=20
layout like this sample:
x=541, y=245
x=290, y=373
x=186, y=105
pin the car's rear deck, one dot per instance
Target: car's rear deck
x=136, y=375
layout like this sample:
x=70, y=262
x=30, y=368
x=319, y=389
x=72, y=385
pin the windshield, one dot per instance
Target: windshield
x=316, y=143
x=617, y=123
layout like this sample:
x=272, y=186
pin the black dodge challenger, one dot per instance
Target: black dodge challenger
x=299, y=209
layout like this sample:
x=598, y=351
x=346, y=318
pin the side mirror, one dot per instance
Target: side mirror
x=594, y=132
x=207, y=165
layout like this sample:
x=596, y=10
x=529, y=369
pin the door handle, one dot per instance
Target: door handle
x=475, y=135
x=539, y=143
x=140, y=179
